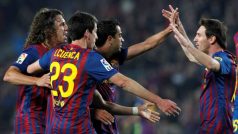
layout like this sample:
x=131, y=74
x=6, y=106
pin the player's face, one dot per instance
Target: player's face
x=117, y=40
x=92, y=37
x=61, y=29
x=201, y=40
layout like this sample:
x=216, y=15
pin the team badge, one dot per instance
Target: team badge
x=21, y=58
x=107, y=66
x=218, y=58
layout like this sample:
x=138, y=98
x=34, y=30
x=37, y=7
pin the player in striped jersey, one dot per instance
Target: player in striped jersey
x=219, y=75
x=235, y=95
x=48, y=29
x=109, y=45
x=75, y=69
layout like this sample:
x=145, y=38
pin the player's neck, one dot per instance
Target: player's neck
x=82, y=43
x=215, y=48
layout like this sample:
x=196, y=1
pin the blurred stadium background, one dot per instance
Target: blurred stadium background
x=164, y=70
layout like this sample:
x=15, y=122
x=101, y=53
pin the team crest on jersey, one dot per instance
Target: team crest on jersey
x=218, y=58
x=107, y=66
x=21, y=58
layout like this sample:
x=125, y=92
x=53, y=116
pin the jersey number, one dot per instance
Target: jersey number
x=69, y=78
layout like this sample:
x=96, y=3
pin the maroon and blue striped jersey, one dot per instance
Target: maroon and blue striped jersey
x=235, y=95
x=108, y=92
x=31, y=100
x=74, y=73
x=215, y=100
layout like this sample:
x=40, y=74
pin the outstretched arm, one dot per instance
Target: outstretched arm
x=14, y=76
x=148, y=44
x=116, y=109
x=166, y=106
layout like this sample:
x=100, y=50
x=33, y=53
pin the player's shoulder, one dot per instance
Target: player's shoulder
x=35, y=48
x=224, y=56
x=94, y=53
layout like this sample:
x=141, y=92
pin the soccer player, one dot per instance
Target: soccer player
x=109, y=45
x=47, y=30
x=219, y=74
x=75, y=69
x=235, y=95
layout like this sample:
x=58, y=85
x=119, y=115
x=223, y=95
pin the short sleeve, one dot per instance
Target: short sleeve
x=98, y=68
x=225, y=63
x=45, y=60
x=27, y=57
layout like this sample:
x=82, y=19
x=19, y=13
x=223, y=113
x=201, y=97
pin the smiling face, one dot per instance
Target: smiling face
x=117, y=40
x=201, y=40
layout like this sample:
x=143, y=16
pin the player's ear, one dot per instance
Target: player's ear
x=109, y=39
x=212, y=39
x=86, y=33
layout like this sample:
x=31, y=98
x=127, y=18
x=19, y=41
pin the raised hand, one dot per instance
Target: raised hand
x=44, y=81
x=103, y=116
x=172, y=15
x=168, y=107
x=147, y=113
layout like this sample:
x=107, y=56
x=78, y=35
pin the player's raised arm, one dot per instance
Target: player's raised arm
x=150, y=43
x=173, y=17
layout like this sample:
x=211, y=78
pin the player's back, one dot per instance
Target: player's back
x=72, y=90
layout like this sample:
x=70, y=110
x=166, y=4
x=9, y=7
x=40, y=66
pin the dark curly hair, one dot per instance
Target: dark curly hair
x=42, y=27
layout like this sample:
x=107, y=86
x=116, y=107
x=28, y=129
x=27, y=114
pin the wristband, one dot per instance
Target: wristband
x=135, y=110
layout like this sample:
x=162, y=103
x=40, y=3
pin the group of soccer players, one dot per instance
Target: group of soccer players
x=65, y=67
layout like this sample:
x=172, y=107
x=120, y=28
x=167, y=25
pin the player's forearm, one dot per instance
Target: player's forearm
x=148, y=44
x=117, y=109
x=181, y=29
x=14, y=76
x=135, y=88
x=158, y=38
x=34, y=67
x=189, y=55
x=204, y=59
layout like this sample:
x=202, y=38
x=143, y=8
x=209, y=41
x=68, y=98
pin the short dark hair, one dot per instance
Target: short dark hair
x=106, y=28
x=79, y=23
x=42, y=27
x=216, y=28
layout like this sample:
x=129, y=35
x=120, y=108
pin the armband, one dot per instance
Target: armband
x=135, y=110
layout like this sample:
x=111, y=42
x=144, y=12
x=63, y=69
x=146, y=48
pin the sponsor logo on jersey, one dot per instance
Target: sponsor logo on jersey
x=21, y=58
x=107, y=66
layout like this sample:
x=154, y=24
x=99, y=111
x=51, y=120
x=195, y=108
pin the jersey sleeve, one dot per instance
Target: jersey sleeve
x=27, y=57
x=225, y=63
x=45, y=60
x=98, y=68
